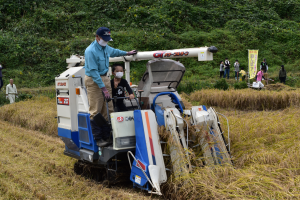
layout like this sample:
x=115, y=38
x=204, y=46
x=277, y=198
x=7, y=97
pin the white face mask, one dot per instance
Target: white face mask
x=102, y=42
x=119, y=74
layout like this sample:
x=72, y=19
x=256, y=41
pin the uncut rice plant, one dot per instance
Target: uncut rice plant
x=265, y=148
x=184, y=98
x=37, y=114
x=41, y=91
x=247, y=99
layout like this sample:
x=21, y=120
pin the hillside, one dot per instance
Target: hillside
x=37, y=36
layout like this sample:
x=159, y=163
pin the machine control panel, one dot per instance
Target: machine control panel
x=123, y=130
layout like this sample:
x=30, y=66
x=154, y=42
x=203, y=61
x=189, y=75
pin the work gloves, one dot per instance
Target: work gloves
x=133, y=52
x=106, y=93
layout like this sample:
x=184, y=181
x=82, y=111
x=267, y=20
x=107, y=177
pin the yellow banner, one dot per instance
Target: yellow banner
x=253, y=57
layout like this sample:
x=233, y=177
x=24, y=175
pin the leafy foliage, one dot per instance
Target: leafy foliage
x=240, y=85
x=3, y=99
x=37, y=36
x=24, y=96
x=191, y=86
x=221, y=84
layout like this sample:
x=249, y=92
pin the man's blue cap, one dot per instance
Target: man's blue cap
x=104, y=33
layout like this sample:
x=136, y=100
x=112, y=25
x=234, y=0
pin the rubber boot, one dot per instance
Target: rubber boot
x=99, y=135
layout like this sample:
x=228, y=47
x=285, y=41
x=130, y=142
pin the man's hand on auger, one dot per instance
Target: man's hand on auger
x=133, y=52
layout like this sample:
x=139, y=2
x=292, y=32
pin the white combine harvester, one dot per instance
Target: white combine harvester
x=136, y=152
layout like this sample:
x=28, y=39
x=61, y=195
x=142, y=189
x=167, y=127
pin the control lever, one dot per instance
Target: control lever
x=140, y=96
x=115, y=103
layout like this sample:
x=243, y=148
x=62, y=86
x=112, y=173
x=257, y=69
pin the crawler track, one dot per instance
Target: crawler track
x=102, y=175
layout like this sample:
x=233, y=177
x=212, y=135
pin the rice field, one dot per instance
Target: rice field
x=246, y=99
x=36, y=114
x=46, y=91
x=265, y=146
x=32, y=166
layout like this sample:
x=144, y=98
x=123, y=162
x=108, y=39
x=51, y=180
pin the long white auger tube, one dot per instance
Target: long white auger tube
x=203, y=54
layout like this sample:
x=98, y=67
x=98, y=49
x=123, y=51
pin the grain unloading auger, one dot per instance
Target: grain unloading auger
x=137, y=149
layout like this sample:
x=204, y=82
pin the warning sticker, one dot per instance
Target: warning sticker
x=62, y=101
x=137, y=179
x=202, y=56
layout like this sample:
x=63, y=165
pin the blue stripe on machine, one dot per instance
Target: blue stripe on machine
x=154, y=161
x=64, y=132
x=141, y=152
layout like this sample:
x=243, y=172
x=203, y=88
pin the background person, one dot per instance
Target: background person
x=227, y=68
x=221, y=69
x=96, y=66
x=264, y=66
x=11, y=91
x=243, y=73
x=282, y=74
x=118, y=85
x=1, y=81
x=260, y=75
x=236, y=70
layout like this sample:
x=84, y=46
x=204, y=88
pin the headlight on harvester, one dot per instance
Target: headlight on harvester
x=122, y=142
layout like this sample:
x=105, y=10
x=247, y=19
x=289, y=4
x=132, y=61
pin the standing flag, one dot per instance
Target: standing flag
x=252, y=58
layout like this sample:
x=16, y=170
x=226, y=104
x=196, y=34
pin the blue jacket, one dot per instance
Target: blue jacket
x=97, y=61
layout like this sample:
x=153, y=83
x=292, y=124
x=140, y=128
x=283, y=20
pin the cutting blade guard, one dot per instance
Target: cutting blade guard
x=148, y=168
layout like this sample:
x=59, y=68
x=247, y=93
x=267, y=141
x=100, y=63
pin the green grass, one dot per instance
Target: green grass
x=37, y=36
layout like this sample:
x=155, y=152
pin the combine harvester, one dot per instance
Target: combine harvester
x=137, y=149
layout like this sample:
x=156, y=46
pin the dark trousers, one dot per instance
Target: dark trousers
x=1, y=83
x=221, y=74
x=120, y=106
x=226, y=73
x=236, y=74
x=243, y=78
x=282, y=79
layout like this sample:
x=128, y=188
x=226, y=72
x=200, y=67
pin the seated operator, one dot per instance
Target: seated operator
x=118, y=85
x=96, y=67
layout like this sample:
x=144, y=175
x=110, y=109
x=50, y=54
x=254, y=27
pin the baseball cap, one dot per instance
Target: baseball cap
x=104, y=33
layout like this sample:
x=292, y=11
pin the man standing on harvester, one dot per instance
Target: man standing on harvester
x=98, y=84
